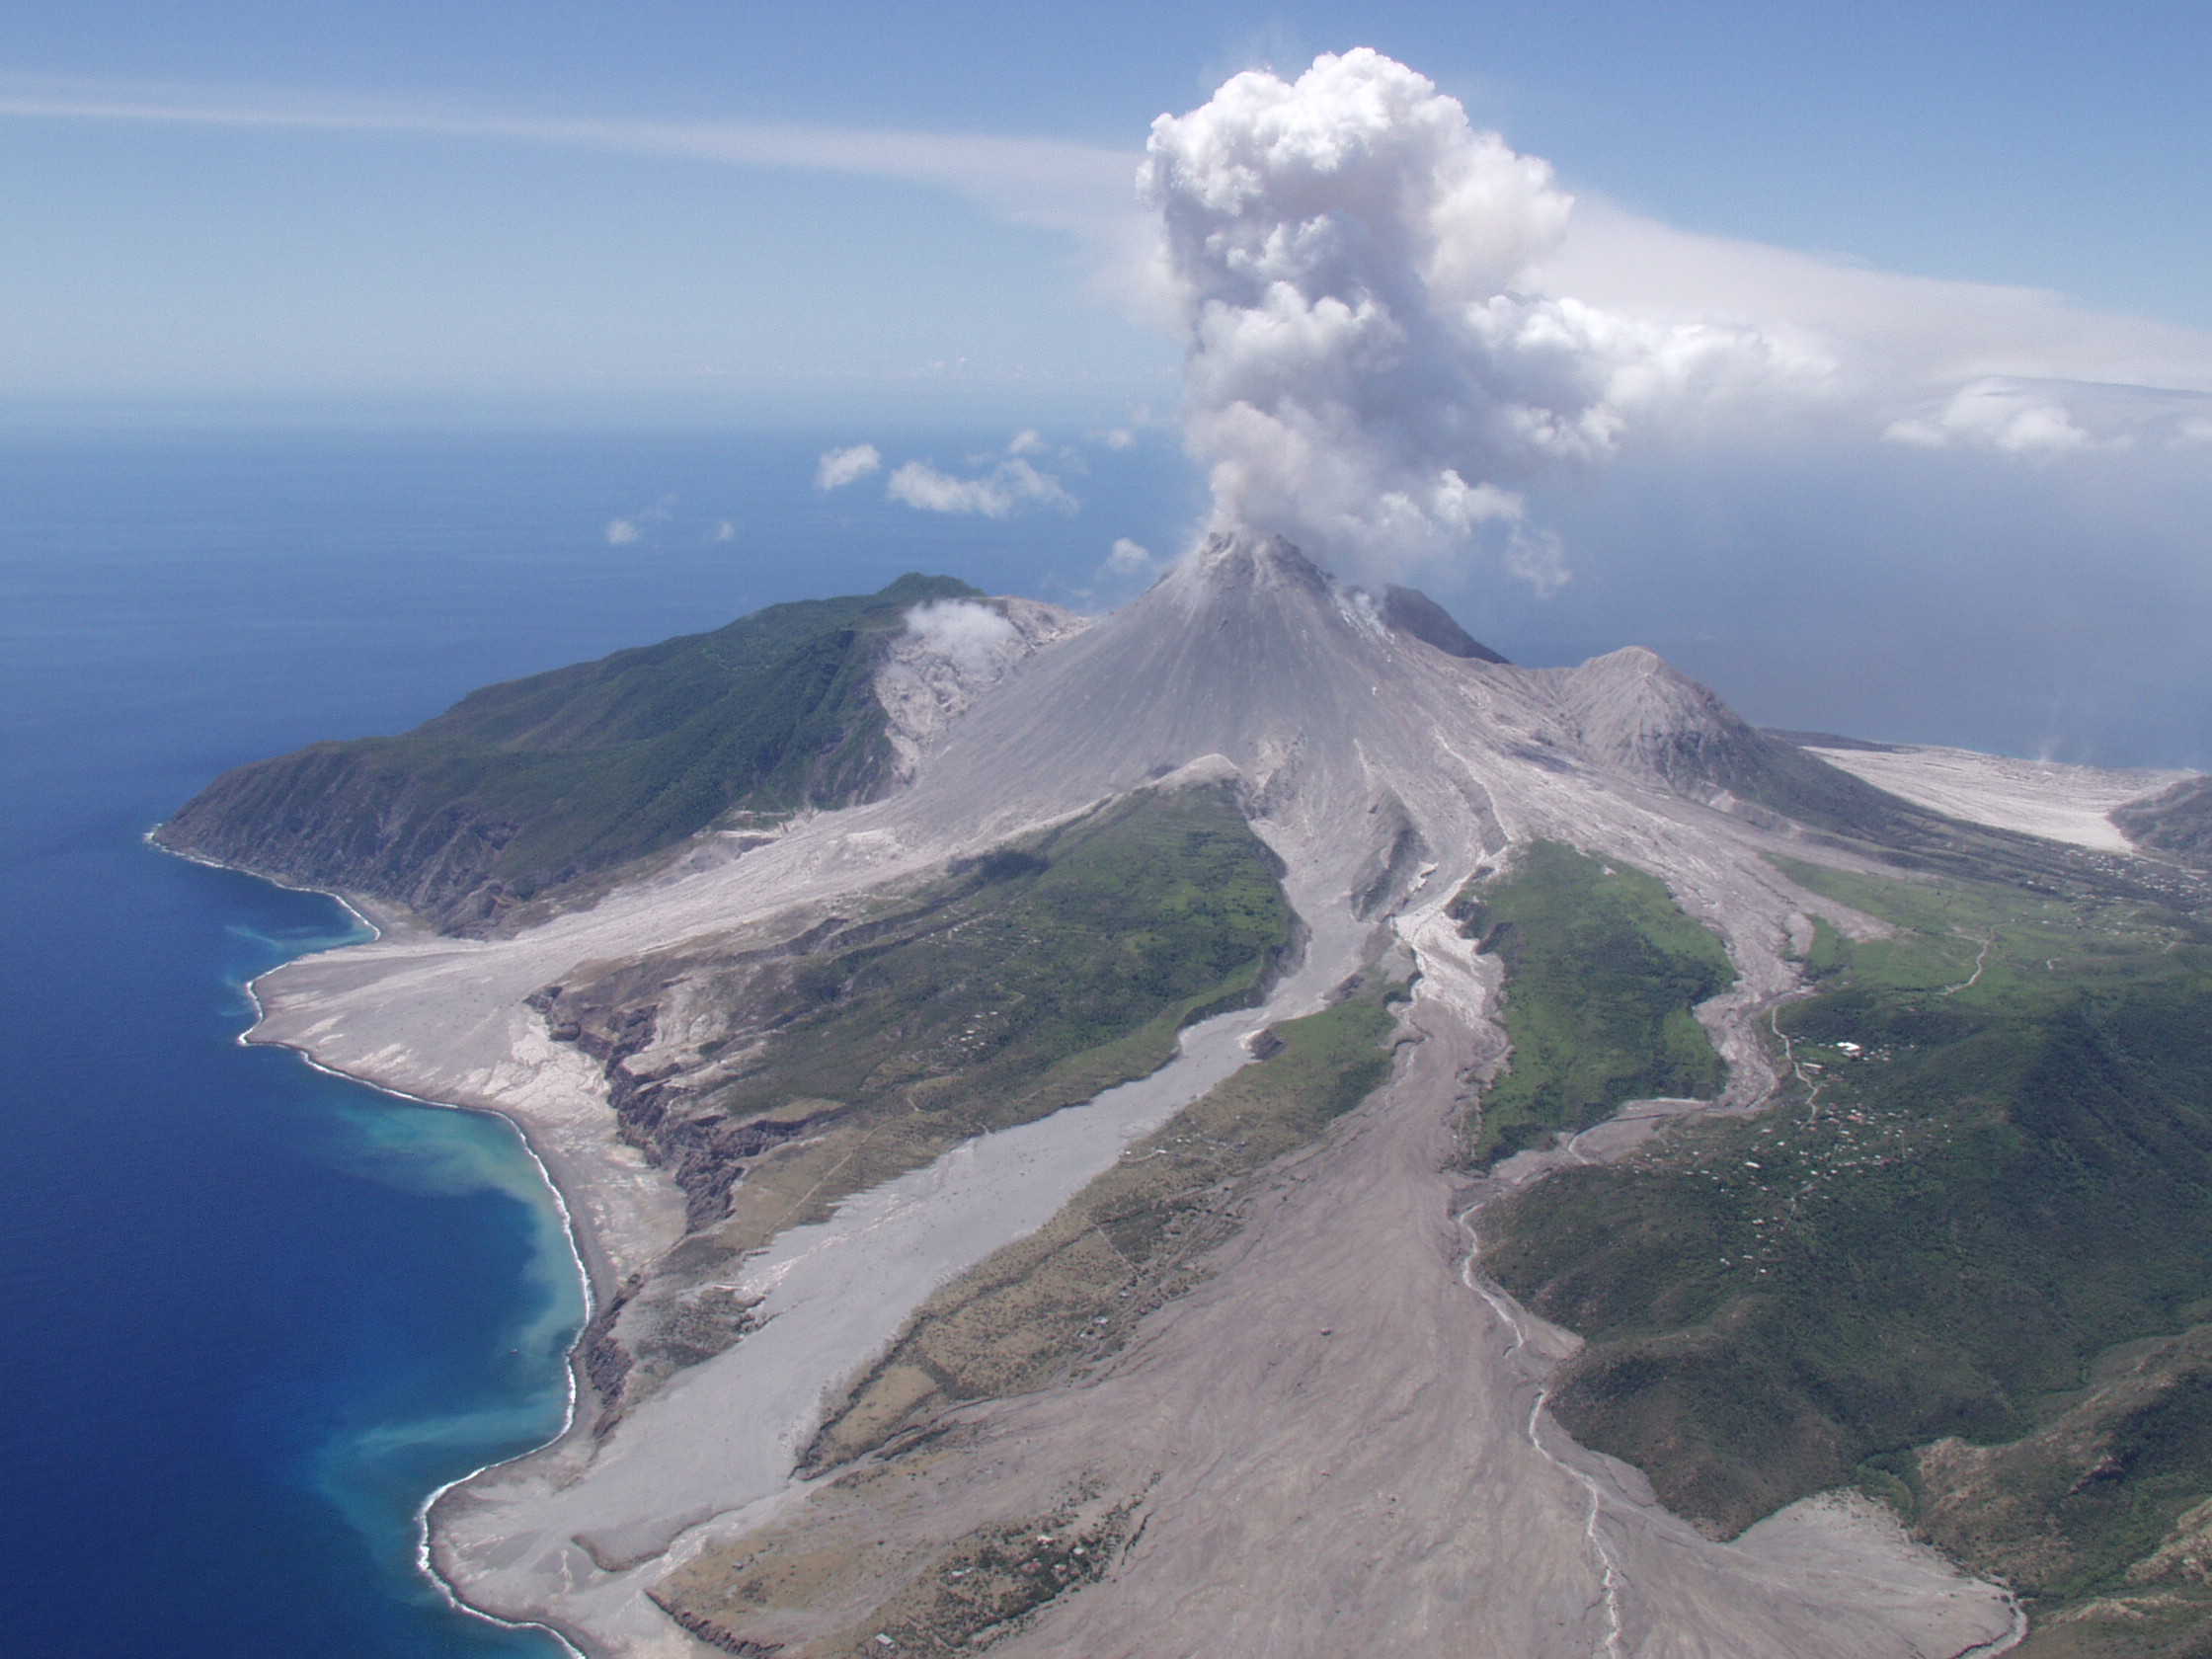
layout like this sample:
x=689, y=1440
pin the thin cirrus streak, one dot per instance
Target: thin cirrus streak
x=1925, y=361
x=1047, y=182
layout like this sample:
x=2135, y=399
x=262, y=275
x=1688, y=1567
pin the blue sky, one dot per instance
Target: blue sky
x=1966, y=245
x=2063, y=148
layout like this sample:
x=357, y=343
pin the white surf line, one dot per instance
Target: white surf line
x=424, y=1564
x=570, y=1358
x=1593, y=1539
x=570, y=1364
x=344, y=904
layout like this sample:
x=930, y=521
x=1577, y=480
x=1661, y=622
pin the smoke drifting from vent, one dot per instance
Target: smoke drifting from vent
x=1364, y=373
x=962, y=631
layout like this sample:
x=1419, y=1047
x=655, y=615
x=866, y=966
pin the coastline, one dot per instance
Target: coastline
x=456, y=990
x=589, y=1261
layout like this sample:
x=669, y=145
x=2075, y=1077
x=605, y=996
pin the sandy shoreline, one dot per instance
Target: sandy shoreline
x=1208, y=1051
x=594, y=1274
x=593, y=1269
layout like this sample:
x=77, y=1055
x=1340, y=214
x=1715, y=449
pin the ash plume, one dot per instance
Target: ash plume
x=1364, y=371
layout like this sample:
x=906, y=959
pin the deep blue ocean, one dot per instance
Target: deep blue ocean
x=254, y=1313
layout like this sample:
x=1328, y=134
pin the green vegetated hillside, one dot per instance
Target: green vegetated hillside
x=1919, y=1272
x=1121, y=927
x=523, y=786
x=1602, y=970
x=1023, y=981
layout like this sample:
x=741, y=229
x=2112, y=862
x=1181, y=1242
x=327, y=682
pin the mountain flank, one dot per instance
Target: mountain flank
x=1411, y=611
x=1989, y=1174
x=521, y=787
x=772, y=1083
x=2175, y=821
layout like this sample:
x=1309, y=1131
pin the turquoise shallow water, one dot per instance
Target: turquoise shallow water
x=395, y=1419
x=257, y=1312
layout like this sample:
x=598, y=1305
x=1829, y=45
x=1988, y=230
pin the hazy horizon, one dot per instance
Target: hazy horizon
x=1862, y=364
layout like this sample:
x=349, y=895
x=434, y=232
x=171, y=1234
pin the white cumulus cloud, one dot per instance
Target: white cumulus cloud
x=1996, y=415
x=1128, y=558
x=1366, y=372
x=974, y=636
x=1009, y=485
x=632, y=527
x=839, y=467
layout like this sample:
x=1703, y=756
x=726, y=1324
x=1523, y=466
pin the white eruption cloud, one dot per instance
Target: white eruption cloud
x=973, y=636
x=1365, y=371
x=1010, y=485
x=839, y=467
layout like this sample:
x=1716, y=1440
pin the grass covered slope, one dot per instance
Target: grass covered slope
x=1119, y=928
x=522, y=786
x=1027, y=981
x=1602, y=971
x=1996, y=1167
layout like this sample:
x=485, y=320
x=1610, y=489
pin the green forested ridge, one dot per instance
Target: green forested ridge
x=1120, y=928
x=1601, y=971
x=2178, y=821
x=1997, y=1167
x=2100, y=1516
x=522, y=786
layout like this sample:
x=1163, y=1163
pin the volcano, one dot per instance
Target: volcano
x=852, y=1072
